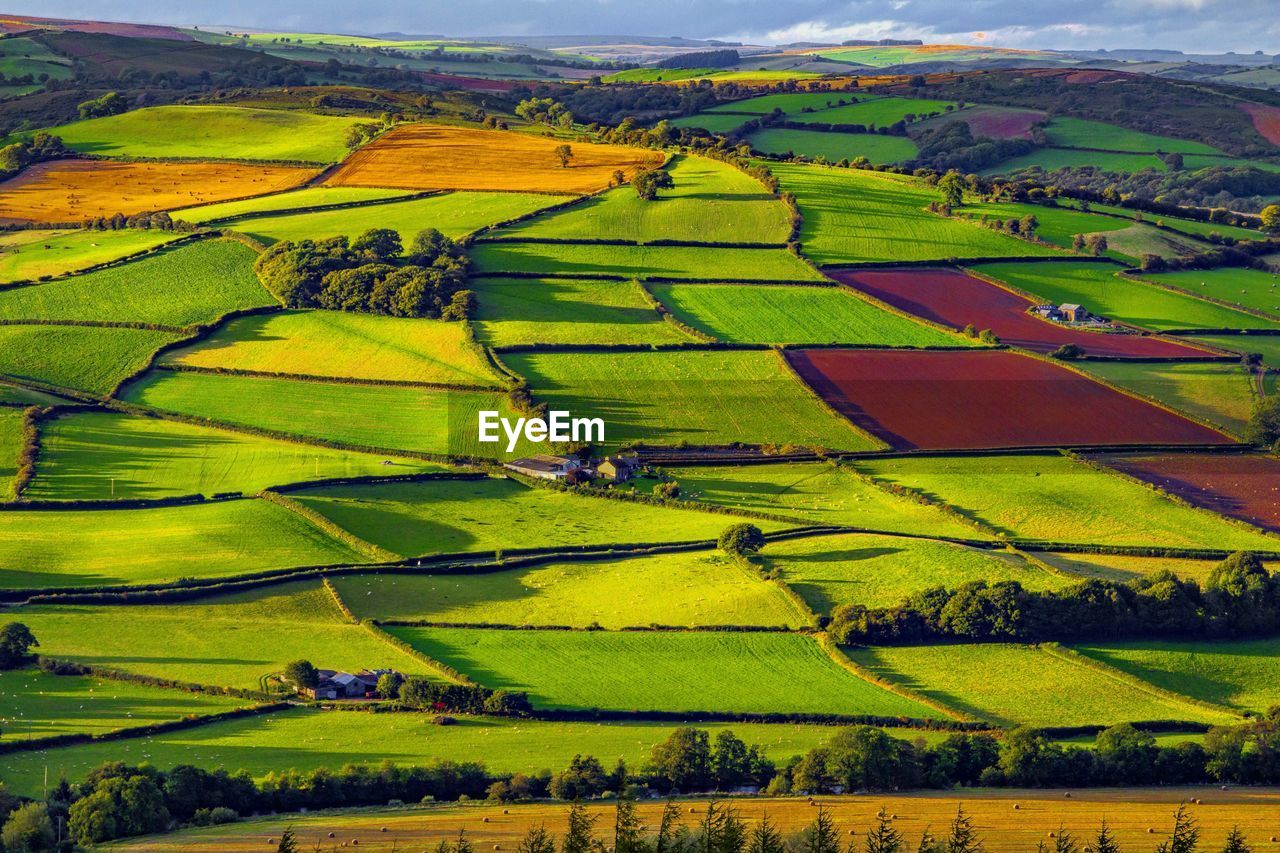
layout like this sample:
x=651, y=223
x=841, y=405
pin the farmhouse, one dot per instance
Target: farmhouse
x=1073, y=313
x=619, y=469
x=334, y=684
x=544, y=466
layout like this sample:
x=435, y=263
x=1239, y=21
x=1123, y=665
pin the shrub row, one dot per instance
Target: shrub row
x=61, y=667
x=670, y=347
x=374, y=552
x=29, y=449
x=332, y=380
x=665, y=313
x=632, y=629
x=123, y=259
x=337, y=599
x=94, y=324
x=313, y=208
x=461, y=678
x=376, y=480
x=613, y=241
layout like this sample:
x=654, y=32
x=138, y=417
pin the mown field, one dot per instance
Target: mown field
x=87, y=359
x=1079, y=133
x=10, y=447
x=30, y=255
x=702, y=397
x=662, y=670
x=1222, y=394
x=343, y=344
x=21, y=56
x=187, y=285
x=1267, y=346
x=875, y=112
x=308, y=197
x=451, y=516
x=781, y=314
x=77, y=548
x=1192, y=227
x=1023, y=685
x=788, y=102
x=833, y=146
x=1143, y=238
x=1258, y=290
x=683, y=262
x=99, y=456
x=1058, y=225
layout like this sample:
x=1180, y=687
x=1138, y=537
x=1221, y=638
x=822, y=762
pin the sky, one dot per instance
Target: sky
x=1194, y=26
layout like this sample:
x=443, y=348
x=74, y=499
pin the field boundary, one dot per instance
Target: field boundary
x=114, y=262
x=840, y=659
x=443, y=669
x=178, y=367
x=296, y=211
x=374, y=552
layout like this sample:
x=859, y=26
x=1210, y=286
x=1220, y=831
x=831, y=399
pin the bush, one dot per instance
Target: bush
x=1067, y=352
x=16, y=642
x=1263, y=428
x=740, y=540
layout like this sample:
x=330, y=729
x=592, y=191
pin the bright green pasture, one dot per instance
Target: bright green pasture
x=684, y=589
x=452, y=214
x=1207, y=161
x=100, y=455
x=451, y=516
x=714, y=122
x=239, y=133
x=307, y=197
x=662, y=670
x=1058, y=225
x=818, y=492
x=702, y=397
x=424, y=420
x=342, y=344
x=882, y=571
x=1222, y=394
x=685, y=262
x=834, y=146
x=779, y=314
x=880, y=112
x=230, y=640
x=788, y=103
x=21, y=56
x=567, y=311
x=656, y=75
x=711, y=202
x=1052, y=498
x=1268, y=346
x=1022, y=685
x=1050, y=159
x=1242, y=674
x=852, y=216
x=75, y=548
x=1123, y=567
x=196, y=283
x=1128, y=300
x=1079, y=133
x=35, y=704
x=87, y=359
x=1187, y=226
x=30, y=255
x=1143, y=238
x=1258, y=290
x=17, y=395
x=10, y=447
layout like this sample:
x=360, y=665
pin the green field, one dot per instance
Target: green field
x=1023, y=685
x=370, y=416
x=788, y=103
x=10, y=447
x=1122, y=567
x=454, y=516
x=76, y=548
x=230, y=640
x=308, y=197
x=188, y=285
x=1126, y=300
x=818, y=492
x=882, y=571
x=1206, y=161
x=684, y=589
x=702, y=397
x=21, y=56
x=1258, y=290
x=1078, y=133
x=662, y=670
x=1050, y=159
x=17, y=395
x=1222, y=394
x=343, y=344
x=35, y=704
x=87, y=359
x=30, y=255
x=1268, y=346
x=1058, y=225
x=684, y=262
x=1242, y=674
x=876, y=112
x=567, y=311
x=716, y=123
x=96, y=456
x=237, y=133
x=833, y=146
x=1187, y=226
x=854, y=216
x=1052, y=498
x=711, y=202
x=1142, y=238
x=452, y=214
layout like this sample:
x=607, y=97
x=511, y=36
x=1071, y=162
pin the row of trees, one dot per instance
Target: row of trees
x=40, y=147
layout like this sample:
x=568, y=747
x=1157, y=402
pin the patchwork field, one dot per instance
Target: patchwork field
x=308, y=197
x=1267, y=346
x=32, y=254
x=85, y=359
x=72, y=191
x=876, y=148
x=1222, y=394
x=682, y=262
x=1123, y=567
x=1244, y=486
x=875, y=112
x=1056, y=225
x=1257, y=290
x=429, y=157
x=702, y=397
x=10, y=447
x=662, y=670
x=1050, y=159
x=992, y=121
x=1079, y=133
x=788, y=102
x=712, y=121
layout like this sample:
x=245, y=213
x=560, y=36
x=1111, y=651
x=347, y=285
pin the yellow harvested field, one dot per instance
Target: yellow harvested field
x=436, y=157
x=64, y=191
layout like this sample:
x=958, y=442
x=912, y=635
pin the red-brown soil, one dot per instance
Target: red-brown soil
x=1241, y=485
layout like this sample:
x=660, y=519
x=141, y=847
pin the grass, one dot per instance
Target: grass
x=77, y=548
x=213, y=132
x=1079, y=133
x=1122, y=567
x=1192, y=227
x=788, y=103
x=1221, y=394
x=662, y=670
x=834, y=146
x=804, y=315
x=308, y=197
x=452, y=214
x=1268, y=346
x=1052, y=498
x=687, y=589
x=716, y=123
x=101, y=455
x=35, y=704
x=1142, y=238
x=702, y=397
x=1058, y=225
x=21, y=56
x=564, y=311
x=453, y=516
x=1022, y=685
x=710, y=202
x=87, y=359
x=17, y=395
x=1126, y=300
x=231, y=640
x=855, y=216
x=30, y=255
x=10, y=447
x=185, y=286
x=882, y=571
x=877, y=112
x=1050, y=159
x=343, y=344
x=818, y=492
x=1245, y=288
x=1241, y=674
x=683, y=262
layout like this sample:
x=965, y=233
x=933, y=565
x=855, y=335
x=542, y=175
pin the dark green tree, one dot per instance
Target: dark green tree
x=669, y=829
x=627, y=837
x=16, y=643
x=963, y=838
x=1185, y=837
x=741, y=540
x=1263, y=428
x=538, y=840
x=952, y=188
x=820, y=836
x=288, y=843
x=301, y=673
x=883, y=838
x=1235, y=842
x=378, y=244
x=765, y=837
x=579, y=836
x=1105, y=842
x=28, y=830
x=683, y=761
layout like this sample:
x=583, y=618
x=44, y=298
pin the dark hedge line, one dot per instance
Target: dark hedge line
x=94, y=324
x=330, y=380
x=1243, y=333
x=302, y=485
x=122, y=503
x=533, y=214
x=634, y=629
x=672, y=347
x=312, y=208
x=665, y=313
x=123, y=259
x=927, y=724
x=611, y=241
x=62, y=667
x=29, y=448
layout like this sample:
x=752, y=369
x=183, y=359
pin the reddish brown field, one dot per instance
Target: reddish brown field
x=22, y=23
x=1000, y=122
x=1266, y=119
x=1244, y=486
x=919, y=400
x=953, y=298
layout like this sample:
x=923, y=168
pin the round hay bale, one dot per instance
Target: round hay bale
x=484, y=820
x=384, y=829
x=332, y=835
x=1016, y=807
x=1150, y=831
x=692, y=810
x=1067, y=795
x=506, y=811
x=853, y=832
